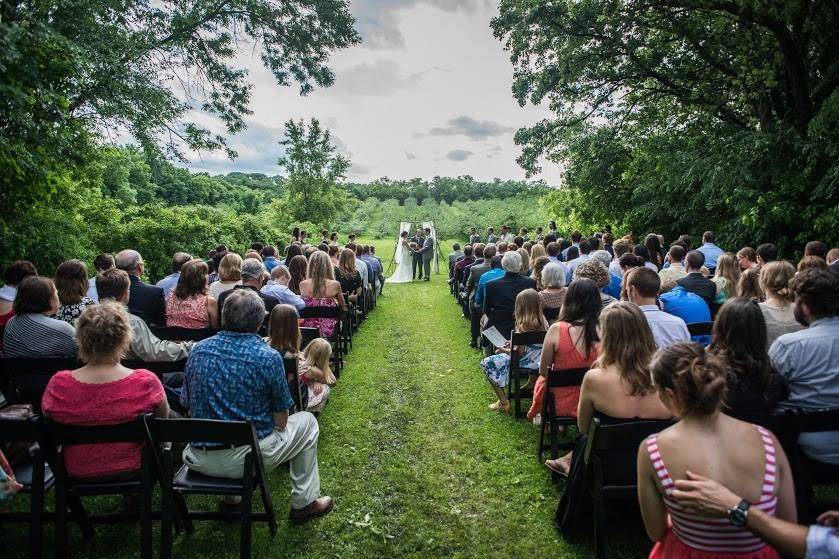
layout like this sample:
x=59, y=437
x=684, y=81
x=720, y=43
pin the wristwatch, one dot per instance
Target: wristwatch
x=740, y=514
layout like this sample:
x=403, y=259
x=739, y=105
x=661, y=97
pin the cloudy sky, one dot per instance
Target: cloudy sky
x=426, y=93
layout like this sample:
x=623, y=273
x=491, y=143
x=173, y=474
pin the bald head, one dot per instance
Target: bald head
x=130, y=261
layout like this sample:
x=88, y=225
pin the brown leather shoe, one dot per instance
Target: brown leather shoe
x=316, y=508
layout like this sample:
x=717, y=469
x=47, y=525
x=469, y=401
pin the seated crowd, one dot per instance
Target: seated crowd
x=696, y=335
x=250, y=311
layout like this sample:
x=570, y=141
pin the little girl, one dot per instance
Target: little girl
x=316, y=374
x=284, y=336
x=529, y=318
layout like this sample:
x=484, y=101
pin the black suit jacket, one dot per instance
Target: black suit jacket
x=146, y=301
x=702, y=286
x=500, y=300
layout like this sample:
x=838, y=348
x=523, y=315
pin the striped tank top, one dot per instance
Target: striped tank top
x=716, y=535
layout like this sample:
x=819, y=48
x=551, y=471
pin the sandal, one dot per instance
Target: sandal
x=555, y=467
x=499, y=406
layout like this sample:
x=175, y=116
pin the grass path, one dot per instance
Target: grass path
x=417, y=464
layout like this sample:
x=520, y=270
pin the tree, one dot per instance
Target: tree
x=76, y=72
x=314, y=168
x=680, y=115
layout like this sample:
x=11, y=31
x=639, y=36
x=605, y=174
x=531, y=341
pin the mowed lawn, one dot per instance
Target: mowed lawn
x=417, y=464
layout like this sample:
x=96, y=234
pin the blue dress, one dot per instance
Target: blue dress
x=497, y=367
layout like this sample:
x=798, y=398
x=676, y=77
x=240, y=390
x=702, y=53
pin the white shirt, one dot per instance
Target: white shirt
x=361, y=266
x=615, y=268
x=8, y=293
x=667, y=329
x=92, y=294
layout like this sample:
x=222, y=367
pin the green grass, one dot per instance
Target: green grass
x=417, y=464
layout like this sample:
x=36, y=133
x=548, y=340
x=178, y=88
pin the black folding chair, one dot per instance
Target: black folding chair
x=334, y=313
x=163, y=432
x=551, y=315
x=611, y=466
x=552, y=422
x=27, y=377
x=517, y=373
x=178, y=334
x=72, y=490
x=807, y=471
x=700, y=328
x=35, y=476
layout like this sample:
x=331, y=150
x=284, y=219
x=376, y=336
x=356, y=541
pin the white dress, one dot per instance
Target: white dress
x=403, y=273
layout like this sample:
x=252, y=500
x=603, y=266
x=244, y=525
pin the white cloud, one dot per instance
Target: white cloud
x=459, y=155
x=471, y=128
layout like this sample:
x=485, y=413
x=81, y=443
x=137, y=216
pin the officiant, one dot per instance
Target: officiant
x=416, y=264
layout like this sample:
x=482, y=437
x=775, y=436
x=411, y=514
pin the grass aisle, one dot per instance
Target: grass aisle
x=418, y=466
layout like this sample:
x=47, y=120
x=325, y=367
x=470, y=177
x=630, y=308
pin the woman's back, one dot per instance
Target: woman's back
x=36, y=335
x=610, y=395
x=187, y=313
x=779, y=320
x=736, y=454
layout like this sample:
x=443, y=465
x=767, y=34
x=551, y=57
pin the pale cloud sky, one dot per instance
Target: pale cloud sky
x=426, y=93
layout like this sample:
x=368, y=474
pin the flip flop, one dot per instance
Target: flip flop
x=552, y=466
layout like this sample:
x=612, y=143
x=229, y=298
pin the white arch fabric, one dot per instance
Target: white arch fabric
x=435, y=262
x=403, y=226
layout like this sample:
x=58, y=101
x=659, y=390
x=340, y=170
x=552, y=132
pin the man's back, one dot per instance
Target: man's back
x=236, y=376
x=667, y=329
x=147, y=302
x=500, y=299
x=702, y=286
x=688, y=306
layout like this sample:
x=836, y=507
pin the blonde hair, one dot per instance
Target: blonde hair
x=525, y=260
x=319, y=271
x=627, y=342
x=528, y=312
x=537, y=250
x=103, y=333
x=317, y=354
x=775, y=277
x=729, y=269
x=283, y=329
x=230, y=267
x=346, y=262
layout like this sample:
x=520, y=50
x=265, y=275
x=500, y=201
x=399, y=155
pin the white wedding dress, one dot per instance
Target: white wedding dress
x=404, y=260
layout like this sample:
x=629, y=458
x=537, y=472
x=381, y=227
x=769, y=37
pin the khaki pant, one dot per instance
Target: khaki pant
x=297, y=444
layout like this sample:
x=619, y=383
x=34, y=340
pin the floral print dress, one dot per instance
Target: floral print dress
x=497, y=367
x=69, y=313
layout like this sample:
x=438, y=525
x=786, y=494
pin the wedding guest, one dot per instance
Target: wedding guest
x=696, y=282
x=71, y=284
x=815, y=248
x=599, y=274
x=269, y=257
x=529, y=318
x=316, y=375
x=102, y=262
x=146, y=300
x=811, y=262
x=642, y=286
x=538, y=267
x=614, y=286
x=778, y=310
x=766, y=253
x=169, y=282
x=710, y=251
x=188, y=305
x=726, y=277
x=284, y=335
x=253, y=274
x=691, y=384
x=833, y=259
x=674, y=270
x=320, y=289
x=749, y=285
x=739, y=340
x=14, y=273
x=620, y=247
x=553, y=290
x=641, y=252
x=571, y=343
x=500, y=300
x=229, y=275
x=31, y=332
x=525, y=262
x=292, y=250
x=690, y=307
x=747, y=258
x=277, y=287
x=297, y=270
x=619, y=385
x=103, y=392
x=653, y=246
x=537, y=251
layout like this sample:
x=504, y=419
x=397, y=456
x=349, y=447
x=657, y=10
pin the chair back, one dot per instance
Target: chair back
x=527, y=338
x=700, y=328
x=614, y=447
x=63, y=435
x=321, y=312
x=551, y=315
x=565, y=377
x=212, y=431
x=293, y=381
x=815, y=421
x=308, y=334
x=21, y=430
x=178, y=334
x=27, y=377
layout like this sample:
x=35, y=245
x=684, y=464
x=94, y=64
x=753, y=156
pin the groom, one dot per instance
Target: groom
x=416, y=256
x=427, y=252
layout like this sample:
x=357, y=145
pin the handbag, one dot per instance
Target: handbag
x=16, y=452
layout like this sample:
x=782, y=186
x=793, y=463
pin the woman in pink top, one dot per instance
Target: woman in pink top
x=103, y=392
x=188, y=305
x=571, y=343
x=691, y=383
x=320, y=289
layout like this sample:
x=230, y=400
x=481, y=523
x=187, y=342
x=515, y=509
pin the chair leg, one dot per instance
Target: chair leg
x=145, y=513
x=540, y=449
x=166, y=514
x=247, y=506
x=60, y=517
x=36, y=526
x=599, y=518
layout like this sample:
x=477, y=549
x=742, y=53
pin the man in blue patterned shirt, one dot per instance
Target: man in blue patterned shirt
x=235, y=376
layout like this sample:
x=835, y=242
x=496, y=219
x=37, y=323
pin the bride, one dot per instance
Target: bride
x=404, y=260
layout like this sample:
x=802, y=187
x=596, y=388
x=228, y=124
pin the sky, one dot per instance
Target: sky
x=427, y=92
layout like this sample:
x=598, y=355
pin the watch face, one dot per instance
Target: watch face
x=737, y=517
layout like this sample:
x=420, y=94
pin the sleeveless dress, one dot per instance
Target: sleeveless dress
x=691, y=536
x=326, y=325
x=566, y=357
x=187, y=313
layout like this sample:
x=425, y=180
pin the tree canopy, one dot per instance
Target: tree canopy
x=679, y=115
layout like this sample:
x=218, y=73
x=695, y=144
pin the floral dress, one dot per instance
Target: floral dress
x=326, y=325
x=69, y=313
x=497, y=367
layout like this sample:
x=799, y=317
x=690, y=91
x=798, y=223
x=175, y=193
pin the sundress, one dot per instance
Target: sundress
x=497, y=367
x=326, y=325
x=187, y=313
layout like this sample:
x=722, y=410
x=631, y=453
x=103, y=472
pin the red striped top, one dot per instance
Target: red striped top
x=716, y=534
